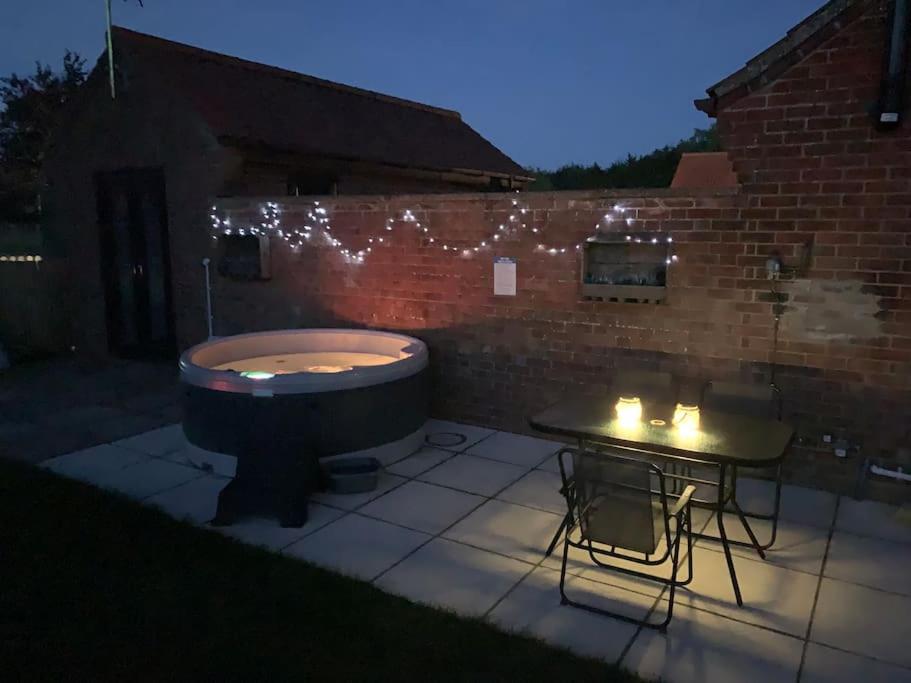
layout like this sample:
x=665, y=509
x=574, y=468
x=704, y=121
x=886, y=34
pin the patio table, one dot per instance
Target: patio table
x=724, y=442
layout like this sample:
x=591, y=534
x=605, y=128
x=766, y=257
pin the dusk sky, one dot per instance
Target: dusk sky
x=548, y=82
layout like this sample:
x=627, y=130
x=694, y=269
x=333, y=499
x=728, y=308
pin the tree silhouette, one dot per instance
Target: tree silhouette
x=655, y=169
x=31, y=108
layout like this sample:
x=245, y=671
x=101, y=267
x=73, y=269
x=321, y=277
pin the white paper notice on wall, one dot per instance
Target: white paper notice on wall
x=504, y=276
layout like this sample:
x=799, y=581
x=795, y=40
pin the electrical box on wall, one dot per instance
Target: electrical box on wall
x=244, y=257
x=631, y=269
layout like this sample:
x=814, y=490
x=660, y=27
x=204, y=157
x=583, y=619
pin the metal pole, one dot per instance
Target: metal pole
x=205, y=264
x=110, y=44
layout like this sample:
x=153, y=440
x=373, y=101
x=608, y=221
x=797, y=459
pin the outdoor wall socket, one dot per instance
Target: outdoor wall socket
x=841, y=448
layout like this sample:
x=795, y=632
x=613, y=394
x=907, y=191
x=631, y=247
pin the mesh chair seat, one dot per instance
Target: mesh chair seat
x=608, y=522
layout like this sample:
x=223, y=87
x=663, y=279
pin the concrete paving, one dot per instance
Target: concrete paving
x=463, y=524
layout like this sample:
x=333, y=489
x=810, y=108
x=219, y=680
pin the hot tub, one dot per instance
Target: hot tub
x=329, y=392
x=281, y=402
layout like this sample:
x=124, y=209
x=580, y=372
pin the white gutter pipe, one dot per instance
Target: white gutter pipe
x=891, y=474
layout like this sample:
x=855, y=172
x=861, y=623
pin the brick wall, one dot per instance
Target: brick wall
x=497, y=359
x=815, y=170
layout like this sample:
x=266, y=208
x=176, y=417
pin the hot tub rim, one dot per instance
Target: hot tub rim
x=304, y=383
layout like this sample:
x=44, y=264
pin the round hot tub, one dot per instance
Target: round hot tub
x=325, y=392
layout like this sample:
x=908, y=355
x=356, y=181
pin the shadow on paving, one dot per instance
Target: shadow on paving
x=57, y=406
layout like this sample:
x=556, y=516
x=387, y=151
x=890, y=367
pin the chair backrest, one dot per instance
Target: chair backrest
x=613, y=499
x=755, y=400
x=650, y=384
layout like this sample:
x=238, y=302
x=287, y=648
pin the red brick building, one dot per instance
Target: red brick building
x=128, y=178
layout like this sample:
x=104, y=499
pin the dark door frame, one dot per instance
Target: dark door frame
x=133, y=183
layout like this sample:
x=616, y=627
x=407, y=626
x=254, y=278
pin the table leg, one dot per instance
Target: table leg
x=743, y=519
x=773, y=517
x=724, y=537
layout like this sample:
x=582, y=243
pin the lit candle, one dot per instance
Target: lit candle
x=686, y=418
x=629, y=410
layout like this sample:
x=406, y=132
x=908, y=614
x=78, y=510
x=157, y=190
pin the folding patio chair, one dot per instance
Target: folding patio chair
x=618, y=507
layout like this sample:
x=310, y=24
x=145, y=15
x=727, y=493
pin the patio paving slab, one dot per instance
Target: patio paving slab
x=475, y=475
x=158, y=442
x=267, y=533
x=195, y=502
x=92, y=464
x=533, y=607
x=219, y=463
x=700, y=647
x=802, y=505
x=863, y=620
x=825, y=665
x=147, y=477
x=453, y=436
x=797, y=546
x=774, y=597
x=537, y=489
x=419, y=462
x=358, y=546
x=517, y=449
x=422, y=506
x=870, y=518
x=872, y=562
x=451, y=575
x=352, y=501
x=508, y=529
x=125, y=425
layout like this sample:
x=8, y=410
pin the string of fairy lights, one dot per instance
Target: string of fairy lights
x=316, y=230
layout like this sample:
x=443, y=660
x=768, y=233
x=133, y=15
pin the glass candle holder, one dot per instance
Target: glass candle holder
x=629, y=410
x=686, y=418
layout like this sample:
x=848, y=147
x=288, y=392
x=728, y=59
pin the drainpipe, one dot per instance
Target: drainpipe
x=891, y=98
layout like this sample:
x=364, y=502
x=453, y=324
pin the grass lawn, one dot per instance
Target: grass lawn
x=96, y=587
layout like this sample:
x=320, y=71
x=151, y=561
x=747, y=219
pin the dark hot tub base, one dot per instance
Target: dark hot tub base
x=281, y=491
x=279, y=440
